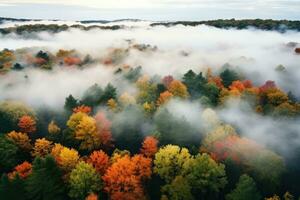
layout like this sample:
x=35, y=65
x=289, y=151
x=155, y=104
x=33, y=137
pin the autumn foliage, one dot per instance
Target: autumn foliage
x=149, y=146
x=23, y=170
x=83, y=109
x=27, y=124
x=124, y=178
x=99, y=160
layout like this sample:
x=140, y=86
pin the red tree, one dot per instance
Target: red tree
x=104, y=130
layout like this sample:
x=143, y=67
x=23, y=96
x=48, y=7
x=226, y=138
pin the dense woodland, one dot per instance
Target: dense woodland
x=275, y=25
x=111, y=145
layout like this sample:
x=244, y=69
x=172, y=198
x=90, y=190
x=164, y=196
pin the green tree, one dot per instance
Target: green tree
x=45, y=181
x=205, y=176
x=83, y=181
x=212, y=91
x=228, y=76
x=179, y=189
x=245, y=190
x=92, y=96
x=70, y=103
x=9, y=154
x=195, y=83
x=169, y=161
x=12, y=189
x=110, y=92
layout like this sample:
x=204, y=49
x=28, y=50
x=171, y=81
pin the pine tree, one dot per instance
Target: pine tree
x=45, y=182
x=245, y=190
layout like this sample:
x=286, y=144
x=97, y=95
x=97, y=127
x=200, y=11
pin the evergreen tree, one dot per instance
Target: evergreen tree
x=195, y=83
x=45, y=182
x=9, y=154
x=228, y=76
x=93, y=95
x=70, y=103
x=245, y=190
x=12, y=189
x=110, y=92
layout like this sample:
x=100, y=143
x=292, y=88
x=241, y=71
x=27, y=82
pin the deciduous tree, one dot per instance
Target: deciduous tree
x=178, y=89
x=123, y=179
x=20, y=139
x=169, y=161
x=42, y=147
x=149, y=146
x=83, y=181
x=99, y=160
x=27, y=124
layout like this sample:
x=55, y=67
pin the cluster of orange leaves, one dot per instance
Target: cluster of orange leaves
x=149, y=146
x=69, y=61
x=99, y=160
x=27, y=124
x=83, y=109
x=23, y=170
x=123, y=179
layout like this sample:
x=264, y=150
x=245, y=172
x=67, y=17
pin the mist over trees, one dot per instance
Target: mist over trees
x=107, y=125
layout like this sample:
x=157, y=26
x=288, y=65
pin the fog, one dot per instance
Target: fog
x=254, y=53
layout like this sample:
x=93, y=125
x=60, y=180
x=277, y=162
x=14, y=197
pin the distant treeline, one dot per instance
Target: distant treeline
x=275, y=25
x=53, y=28
x=268, y=24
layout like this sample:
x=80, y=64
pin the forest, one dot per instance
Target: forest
x=88, y=123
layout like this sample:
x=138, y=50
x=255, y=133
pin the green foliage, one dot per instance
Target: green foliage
x=110, y=92
x=178, y=189
x=92, y=96
x=9, y=154
x=245, y=190
x=212, y=92
x=95, y=95
x=228, y=76
x=195, y=83
x=83, y=181
x=10, y=113
x=45, y=181
x=70, y=103
x=133, y=74
x=12, y=189
x=43, y=55
x=205, y=175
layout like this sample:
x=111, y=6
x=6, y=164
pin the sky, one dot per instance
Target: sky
x=158, y=10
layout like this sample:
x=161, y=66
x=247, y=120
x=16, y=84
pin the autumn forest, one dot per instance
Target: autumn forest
x=131, y=110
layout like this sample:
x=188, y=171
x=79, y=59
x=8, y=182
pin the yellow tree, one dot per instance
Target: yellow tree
x=127, y=99
x=42, y=147
x=20, y=139
x=68, y=158
x=178, y=89
x=85, y=130
x=53, y=128
x=112, y=104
